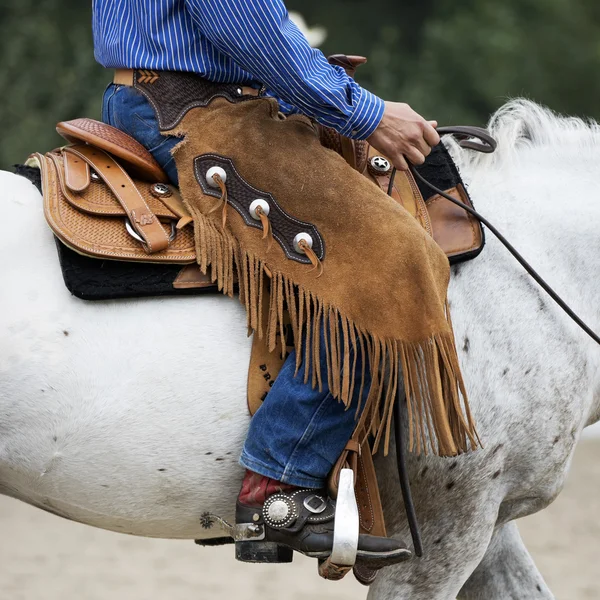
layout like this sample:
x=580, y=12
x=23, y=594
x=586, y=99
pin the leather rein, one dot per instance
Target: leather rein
x=478, y=139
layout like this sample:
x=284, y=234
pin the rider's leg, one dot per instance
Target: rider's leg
x=294, y=439
x=299, y=432
x=127, y=109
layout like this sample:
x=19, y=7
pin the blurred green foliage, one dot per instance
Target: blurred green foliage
x=456, y=61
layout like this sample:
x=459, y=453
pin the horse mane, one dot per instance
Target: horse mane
x=522, y=125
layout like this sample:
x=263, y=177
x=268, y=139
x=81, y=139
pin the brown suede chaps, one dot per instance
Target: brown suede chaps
x=370, y=274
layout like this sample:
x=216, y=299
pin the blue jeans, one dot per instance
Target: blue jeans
x=299, y=432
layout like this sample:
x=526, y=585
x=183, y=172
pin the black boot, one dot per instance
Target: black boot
x=303, y=520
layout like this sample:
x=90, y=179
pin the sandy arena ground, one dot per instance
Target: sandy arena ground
x=43, y=557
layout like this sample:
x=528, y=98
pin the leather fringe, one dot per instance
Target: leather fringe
x=440, y=419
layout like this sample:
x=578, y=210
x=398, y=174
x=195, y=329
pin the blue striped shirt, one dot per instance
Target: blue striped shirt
x=249, y=42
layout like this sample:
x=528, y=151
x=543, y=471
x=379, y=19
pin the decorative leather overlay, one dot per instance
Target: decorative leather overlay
x=173, y=94
x=281, y=511
x=241, y=194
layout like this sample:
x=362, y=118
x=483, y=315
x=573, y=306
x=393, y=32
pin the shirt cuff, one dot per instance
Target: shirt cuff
x=366, y=117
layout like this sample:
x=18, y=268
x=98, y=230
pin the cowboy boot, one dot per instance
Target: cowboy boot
x=274, y=519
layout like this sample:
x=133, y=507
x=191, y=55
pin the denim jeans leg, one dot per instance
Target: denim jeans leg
x=127, y=109
x=298, y=433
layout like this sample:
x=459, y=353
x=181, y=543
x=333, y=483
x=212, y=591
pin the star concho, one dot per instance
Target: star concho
x=379, y=165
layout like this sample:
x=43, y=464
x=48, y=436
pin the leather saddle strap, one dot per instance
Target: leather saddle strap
x=142, y=219
x=77, y=173
x=357, y=456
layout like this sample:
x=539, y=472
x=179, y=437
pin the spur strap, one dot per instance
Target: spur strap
x=142, y=219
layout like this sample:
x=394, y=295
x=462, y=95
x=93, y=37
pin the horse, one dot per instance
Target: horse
x=130, y=415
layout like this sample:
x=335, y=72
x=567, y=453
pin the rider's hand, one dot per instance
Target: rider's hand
x=403, y=134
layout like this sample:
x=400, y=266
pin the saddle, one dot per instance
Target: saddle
x=113, y=209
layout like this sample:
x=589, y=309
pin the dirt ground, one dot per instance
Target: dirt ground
x=43, y=557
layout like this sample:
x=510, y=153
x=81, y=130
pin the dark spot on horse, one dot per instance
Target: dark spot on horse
x=162, y=470
x=574, y=433
x=450, y=485
x=498, y=447
x=425, y=469
x=438, y=541
x=453, y=466
x=541, y=305
x=207, y=453
x=104, y=485
x=505, y=372
x=55, y=438
x=229, y=454
x=556, y=440
x=466, y=344
x=66, y=333
x=457, y=270
x=528, y=371
x=538, y=587
x=496, y=475
x=218, y=459
x=42, y=391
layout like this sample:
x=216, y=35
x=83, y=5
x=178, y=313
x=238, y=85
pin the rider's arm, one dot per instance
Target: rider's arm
x=259, y=36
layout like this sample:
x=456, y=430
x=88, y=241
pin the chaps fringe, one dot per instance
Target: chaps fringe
x=439, y=416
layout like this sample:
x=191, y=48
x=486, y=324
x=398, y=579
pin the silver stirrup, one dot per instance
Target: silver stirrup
x=346, y=524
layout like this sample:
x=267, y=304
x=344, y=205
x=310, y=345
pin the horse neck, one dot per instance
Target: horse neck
x=545, y=202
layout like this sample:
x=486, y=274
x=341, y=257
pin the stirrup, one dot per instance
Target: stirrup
x=345, y=531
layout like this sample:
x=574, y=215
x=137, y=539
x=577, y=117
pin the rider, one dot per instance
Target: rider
x=297, y=435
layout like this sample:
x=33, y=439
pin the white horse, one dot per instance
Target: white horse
x=130, y=415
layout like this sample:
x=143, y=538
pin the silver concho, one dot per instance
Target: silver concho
x=380, y=165
x=264, y=205
x=279, y=511
x=302, y=237
x=220, y=171
x=161, y=190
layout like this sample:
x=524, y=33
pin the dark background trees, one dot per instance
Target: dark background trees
x=456, y=61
